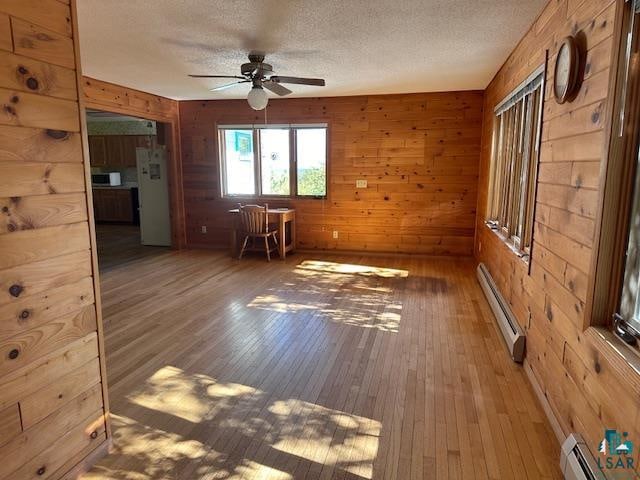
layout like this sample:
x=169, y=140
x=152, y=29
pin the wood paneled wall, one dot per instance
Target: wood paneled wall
x=418, y=152
x=586, y=384
x=127, y=101
x=52, y=392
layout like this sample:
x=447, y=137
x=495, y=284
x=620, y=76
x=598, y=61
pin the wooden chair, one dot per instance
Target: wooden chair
x=254, y=220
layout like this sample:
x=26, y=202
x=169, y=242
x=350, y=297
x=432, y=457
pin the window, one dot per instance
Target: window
x=311, y=154
x=615, y=301
x=629, y=309
x=239, y=162
x=288, y=160
x=275, y=161
x=514, y=164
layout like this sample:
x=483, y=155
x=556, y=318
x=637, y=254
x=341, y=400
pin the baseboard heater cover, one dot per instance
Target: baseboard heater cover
x=577, y=461
x=511, y=331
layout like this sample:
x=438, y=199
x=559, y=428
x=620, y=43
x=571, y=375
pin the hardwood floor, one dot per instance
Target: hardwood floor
x=321, y=366
x=120, y=244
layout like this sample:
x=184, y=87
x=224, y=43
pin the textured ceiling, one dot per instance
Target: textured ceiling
x=358, y=46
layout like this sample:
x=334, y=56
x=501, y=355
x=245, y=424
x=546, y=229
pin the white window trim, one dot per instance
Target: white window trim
x=293, y=161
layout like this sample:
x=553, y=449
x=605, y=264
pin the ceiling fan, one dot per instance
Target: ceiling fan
x=261, y=75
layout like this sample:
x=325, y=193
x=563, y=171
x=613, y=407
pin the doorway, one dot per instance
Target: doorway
x=129, y=177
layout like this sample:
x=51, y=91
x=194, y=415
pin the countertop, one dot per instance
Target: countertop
x=125, y=186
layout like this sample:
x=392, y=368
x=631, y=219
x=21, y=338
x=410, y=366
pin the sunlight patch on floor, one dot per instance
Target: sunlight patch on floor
x=171, y=390
x=192, y=411
x=161, y=451
x=369, y=311
x=352, y=269
x=363, y=294
x=275, y=303
x=315, y=442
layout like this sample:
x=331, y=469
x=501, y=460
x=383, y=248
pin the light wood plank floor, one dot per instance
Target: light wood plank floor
x=322, y=366
x=120, y=244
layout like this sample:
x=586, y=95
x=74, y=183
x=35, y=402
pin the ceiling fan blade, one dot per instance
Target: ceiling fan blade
x=217, y=76
x=318, y=82
x=276, y=88
x=228, y=85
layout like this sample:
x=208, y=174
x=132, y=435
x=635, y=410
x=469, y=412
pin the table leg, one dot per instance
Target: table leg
x=234, y=238
x=293, y=230
x=282, y=231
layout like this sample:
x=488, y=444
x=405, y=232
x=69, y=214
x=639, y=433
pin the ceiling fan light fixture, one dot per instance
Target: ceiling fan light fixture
x=258, y=98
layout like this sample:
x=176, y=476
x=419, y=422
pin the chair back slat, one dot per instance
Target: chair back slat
x=254, y=218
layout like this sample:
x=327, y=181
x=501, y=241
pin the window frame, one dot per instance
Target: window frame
x=620, y=171
x=515, y=159
x=257, y=160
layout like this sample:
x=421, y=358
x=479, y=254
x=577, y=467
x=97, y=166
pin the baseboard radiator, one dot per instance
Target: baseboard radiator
x=577, y=461
x=511, y=331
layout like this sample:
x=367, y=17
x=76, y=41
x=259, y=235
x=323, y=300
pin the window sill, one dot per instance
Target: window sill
x=623, y=359
x=524, y=257
x=267, y=198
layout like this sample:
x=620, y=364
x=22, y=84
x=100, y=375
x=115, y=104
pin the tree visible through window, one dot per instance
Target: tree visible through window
x=275, y=161
x=288, y=161
x=311, y=153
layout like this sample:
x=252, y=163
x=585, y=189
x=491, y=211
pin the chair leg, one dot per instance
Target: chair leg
x=244, y=245
x=266, y=246
x=275, y=239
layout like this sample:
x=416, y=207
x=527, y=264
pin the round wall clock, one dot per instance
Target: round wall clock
x=565, y=77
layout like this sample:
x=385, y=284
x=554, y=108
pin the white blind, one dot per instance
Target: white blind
x=525, y=88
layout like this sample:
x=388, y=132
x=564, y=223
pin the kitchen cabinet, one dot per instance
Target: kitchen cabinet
x=113, y=205
x=97, y=151
x=129, y=144
x=115, y=150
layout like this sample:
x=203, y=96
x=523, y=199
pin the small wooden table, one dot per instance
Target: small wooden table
x=284, y=216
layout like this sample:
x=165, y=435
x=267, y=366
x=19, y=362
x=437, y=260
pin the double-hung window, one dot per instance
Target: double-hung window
x=617, y=283
x=514, y=163
x=273, y=160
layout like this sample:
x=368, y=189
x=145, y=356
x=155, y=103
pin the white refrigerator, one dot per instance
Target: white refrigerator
x=153, y=195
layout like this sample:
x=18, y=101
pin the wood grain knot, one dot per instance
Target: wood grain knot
x=41, y=471
x=32, y=83
x=15, y=290
x=57, y=134
x=597, y=367
x=13, y=354
x=94, y=434
x=22, y=70
x=43, y=37
x=24, y=314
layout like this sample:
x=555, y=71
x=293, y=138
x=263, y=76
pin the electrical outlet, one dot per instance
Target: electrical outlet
x=361, y=184
x=335, y=234
x=203, y=229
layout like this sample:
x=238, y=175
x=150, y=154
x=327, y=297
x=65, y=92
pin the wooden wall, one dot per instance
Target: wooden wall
x=127, y=101
x=586, y=384
x=52, y=392
x=418, y=153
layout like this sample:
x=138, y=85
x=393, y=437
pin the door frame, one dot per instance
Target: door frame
x=172, y=135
